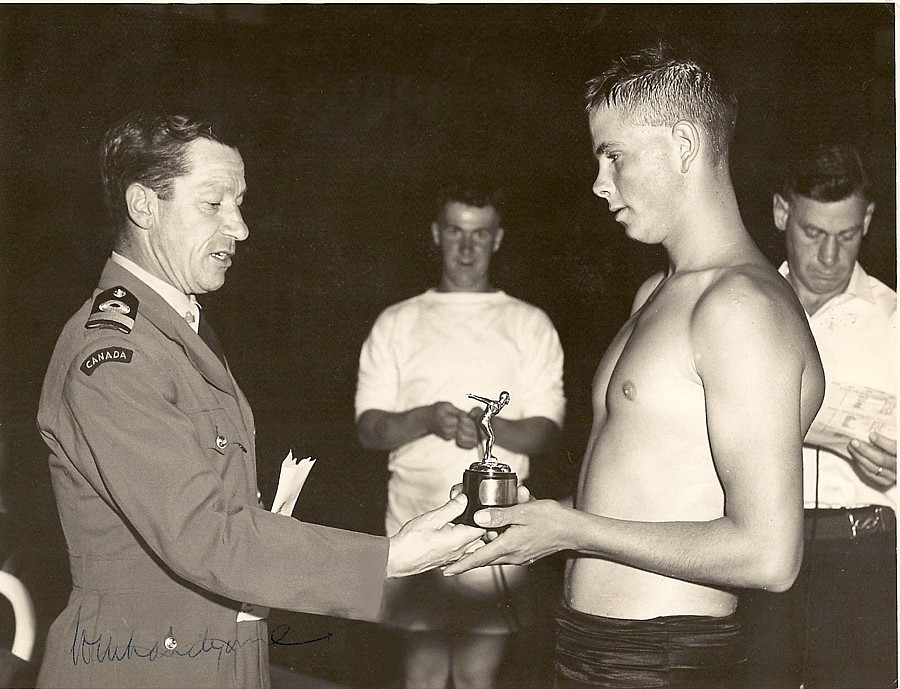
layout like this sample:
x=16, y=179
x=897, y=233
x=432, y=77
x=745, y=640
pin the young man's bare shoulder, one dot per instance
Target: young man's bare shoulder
x=646, y=289
x=749, y=294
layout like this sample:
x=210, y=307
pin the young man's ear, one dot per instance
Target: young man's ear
x=781, y=209
x=436, y=233
x=687, y=138
x=498, y=238
x=140, y=201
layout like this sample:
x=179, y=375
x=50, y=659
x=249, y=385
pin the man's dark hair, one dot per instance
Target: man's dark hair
x=478, y=192
x=149, y=149
x=658, y=86
x=826, y=172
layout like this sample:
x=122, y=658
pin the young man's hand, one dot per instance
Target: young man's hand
x=535, y=529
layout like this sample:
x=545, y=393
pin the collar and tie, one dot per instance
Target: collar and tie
x=208, y=335
x=202, y=327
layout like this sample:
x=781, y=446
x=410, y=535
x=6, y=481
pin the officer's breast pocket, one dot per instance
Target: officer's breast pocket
x=217, y=435
x=227, y=454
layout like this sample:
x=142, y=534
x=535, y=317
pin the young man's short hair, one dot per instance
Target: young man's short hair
x=658, y=86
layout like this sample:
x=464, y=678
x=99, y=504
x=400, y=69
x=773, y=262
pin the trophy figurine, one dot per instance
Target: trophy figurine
x=488, y=483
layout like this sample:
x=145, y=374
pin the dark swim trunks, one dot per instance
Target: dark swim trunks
x=683, y=652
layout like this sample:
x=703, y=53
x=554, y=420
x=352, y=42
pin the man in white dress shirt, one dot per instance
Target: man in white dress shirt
x=837, y=626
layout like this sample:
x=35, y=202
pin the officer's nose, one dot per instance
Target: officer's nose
x=235, y=226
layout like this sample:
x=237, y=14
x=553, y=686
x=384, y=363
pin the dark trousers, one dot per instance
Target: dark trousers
x=678, y=652
x=836, y=627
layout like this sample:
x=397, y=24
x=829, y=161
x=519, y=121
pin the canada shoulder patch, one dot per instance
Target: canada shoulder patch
x=114, y=308
x=122, y=355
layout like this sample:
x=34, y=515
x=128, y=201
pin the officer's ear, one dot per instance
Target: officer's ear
x=498, y=238
x=141, y=203
x=781, y=209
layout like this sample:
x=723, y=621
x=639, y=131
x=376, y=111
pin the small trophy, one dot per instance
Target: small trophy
x=488, y=483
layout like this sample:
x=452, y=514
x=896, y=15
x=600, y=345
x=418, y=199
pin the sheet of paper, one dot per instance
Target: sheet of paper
x=294, y=473
x=852, y=411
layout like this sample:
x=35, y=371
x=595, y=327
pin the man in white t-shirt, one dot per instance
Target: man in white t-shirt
x=422, y=359
x=836, y=627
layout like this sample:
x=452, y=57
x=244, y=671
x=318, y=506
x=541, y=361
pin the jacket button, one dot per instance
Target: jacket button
x=221, y=442
x=171, y=643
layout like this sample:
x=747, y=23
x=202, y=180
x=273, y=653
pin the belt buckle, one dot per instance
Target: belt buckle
x=869, y=524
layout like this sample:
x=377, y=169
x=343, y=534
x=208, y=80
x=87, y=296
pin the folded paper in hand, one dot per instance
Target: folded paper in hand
x=852, y=412
x=293, y=475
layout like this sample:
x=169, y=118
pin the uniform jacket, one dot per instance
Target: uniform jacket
x=153, y=464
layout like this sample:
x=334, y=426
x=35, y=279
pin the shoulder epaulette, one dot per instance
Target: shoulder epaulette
x=114, y=308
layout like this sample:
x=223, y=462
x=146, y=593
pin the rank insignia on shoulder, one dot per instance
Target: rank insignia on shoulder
x=101, y=356
x=114, y=308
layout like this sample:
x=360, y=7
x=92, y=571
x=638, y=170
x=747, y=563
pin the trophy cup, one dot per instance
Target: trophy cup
x=488, y=483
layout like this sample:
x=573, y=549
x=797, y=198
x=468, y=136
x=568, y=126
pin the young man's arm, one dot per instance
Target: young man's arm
x=750, y=355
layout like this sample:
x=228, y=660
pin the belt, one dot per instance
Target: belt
x=848, y=523
x=100, y=575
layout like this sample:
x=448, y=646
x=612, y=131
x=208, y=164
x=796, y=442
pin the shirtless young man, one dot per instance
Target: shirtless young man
x=691, y=482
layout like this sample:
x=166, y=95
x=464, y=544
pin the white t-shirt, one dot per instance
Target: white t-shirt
x=443, y=346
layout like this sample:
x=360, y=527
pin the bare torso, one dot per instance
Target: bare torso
x=648, y=457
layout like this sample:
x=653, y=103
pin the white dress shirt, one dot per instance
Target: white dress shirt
x=856, y=333
x=185, y=304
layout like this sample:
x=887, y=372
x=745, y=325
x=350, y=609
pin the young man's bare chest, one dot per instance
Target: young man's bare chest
x=649, y=368
x=650, y=435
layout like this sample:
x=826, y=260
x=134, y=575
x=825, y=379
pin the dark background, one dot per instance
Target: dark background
x=350, y=116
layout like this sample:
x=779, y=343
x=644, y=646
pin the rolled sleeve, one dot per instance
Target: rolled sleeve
x=542, y=372
x=378, y=379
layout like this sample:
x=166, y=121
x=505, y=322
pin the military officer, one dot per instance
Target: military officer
x=152, y=451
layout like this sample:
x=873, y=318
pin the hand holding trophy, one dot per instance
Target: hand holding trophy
x=488, y=483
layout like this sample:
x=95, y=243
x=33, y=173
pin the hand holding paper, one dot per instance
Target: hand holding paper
x=876, y=460
x=852, y=412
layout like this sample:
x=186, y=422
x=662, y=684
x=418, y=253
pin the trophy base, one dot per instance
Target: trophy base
x=487, y=484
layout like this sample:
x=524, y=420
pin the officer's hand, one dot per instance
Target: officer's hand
x=430, y=540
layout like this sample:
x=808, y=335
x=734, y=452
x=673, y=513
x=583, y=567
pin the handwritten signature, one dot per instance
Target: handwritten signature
x=105, y=648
